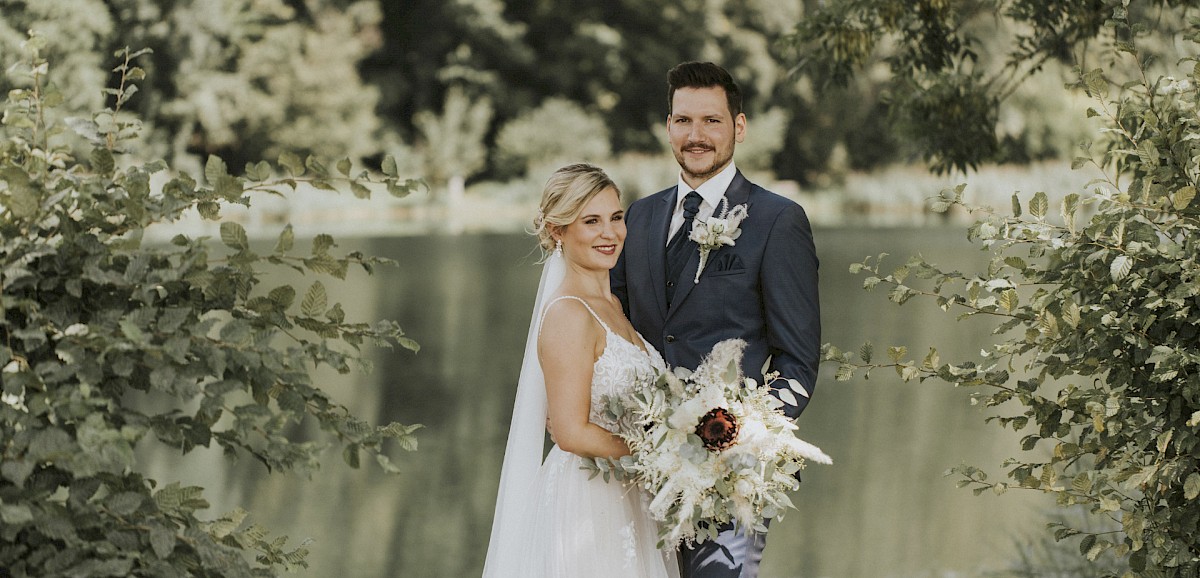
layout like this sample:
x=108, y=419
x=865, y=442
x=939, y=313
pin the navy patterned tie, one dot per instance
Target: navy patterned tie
x=677, y=249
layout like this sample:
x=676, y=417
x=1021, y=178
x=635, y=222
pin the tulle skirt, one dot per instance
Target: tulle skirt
x=591, y=528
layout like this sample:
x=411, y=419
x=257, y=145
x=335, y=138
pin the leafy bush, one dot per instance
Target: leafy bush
x=244, y=79
x=1098, y=325
x=95, y=327
x=557, y=131
x=952, y=65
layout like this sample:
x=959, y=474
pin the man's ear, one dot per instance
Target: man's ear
x=739, y=127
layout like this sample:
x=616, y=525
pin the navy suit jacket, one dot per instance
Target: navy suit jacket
x=762, y=290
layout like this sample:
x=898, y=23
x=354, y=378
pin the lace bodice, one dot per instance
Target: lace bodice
x=622, y=367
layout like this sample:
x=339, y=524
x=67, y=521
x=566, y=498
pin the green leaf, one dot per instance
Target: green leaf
x=1016, y=205
x=350, y=455
x=1096, y=84
x=262, y=170
x=1086, y=544
x=214, y=169
x=226, y=524
x=234, y=236
x=359, y=190
x=1009, y=299
x=102, y=161
x=409, y=344
x=1148, y=153
x=389, y=166
x=1164, y=440
x=22, y=197
x=283, y=296
x=229, y=187
x=344, y=166
x=866, y=351
x=402, y=189
x=386, y=463
x=209, y=210
x=53, y=99
x=932, y=359
x=15, y=514
x=16, y=471
x=292, y=163
x=1183, y=197
x=1120, y=268
x=321, y=244
x=162, y=541
x=316, y=167
x=1070, y=206
x=1039, y=205
x=1071, y=313
x=315, y=300
x=1191, y=487
x=896, y=353
x=124, y=503
x=287, y=238
x=730, y=375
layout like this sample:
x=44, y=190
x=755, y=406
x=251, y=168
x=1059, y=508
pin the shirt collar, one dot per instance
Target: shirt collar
x=711, y=190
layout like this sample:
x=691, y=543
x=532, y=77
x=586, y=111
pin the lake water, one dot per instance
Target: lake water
x=884, y=509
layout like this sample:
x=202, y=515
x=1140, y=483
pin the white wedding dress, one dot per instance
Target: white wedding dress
x=552, y=521
x=583, y=527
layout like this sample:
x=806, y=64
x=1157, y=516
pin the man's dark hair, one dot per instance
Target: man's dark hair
x=703, y=75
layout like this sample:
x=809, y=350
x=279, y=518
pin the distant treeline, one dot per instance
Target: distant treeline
x=481, y=89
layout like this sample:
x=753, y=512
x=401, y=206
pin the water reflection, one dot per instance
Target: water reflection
x=883, y=509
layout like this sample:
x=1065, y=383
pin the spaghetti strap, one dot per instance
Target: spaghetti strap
x=579, y=299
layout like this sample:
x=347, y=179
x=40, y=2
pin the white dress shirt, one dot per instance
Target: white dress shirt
x=712, y=191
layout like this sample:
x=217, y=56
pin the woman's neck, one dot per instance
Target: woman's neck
x=586, y=283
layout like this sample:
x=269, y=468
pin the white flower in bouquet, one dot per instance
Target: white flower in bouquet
x=709, y=446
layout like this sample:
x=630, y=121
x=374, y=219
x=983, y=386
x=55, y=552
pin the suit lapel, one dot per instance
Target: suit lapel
x=656, y=255
x=737, y=193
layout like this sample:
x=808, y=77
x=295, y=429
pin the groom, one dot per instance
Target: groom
x=763, y=289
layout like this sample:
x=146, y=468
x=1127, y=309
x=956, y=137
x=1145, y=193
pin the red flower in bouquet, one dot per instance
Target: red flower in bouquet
x=718, y=429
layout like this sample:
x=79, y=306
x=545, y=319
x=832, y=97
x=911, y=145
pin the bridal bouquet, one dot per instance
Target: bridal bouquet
x=710, y=446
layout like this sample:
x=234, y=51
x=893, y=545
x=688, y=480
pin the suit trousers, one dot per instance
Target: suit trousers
x=735, y=554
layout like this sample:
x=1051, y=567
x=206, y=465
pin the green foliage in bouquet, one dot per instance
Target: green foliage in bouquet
x=107, y=342
x=1096, y=308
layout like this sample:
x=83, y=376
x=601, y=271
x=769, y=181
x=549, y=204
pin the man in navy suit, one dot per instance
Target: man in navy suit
x=763, y=289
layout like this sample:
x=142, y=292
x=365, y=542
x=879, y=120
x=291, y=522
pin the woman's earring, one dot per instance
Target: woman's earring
x=558, y=246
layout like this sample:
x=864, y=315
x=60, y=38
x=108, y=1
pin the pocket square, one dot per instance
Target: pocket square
x=727, y=262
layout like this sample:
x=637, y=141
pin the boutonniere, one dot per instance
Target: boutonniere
x=714, y=232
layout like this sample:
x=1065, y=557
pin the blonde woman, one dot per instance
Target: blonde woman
x=552, y=520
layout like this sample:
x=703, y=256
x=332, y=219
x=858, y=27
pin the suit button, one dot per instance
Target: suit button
x=670, y=339
x=670, y=283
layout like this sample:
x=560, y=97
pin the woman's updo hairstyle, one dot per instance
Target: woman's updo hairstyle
x=563, y=199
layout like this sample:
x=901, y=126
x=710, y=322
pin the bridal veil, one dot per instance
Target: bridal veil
x=526, y=439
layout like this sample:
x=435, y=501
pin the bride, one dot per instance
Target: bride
x=551, y=520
